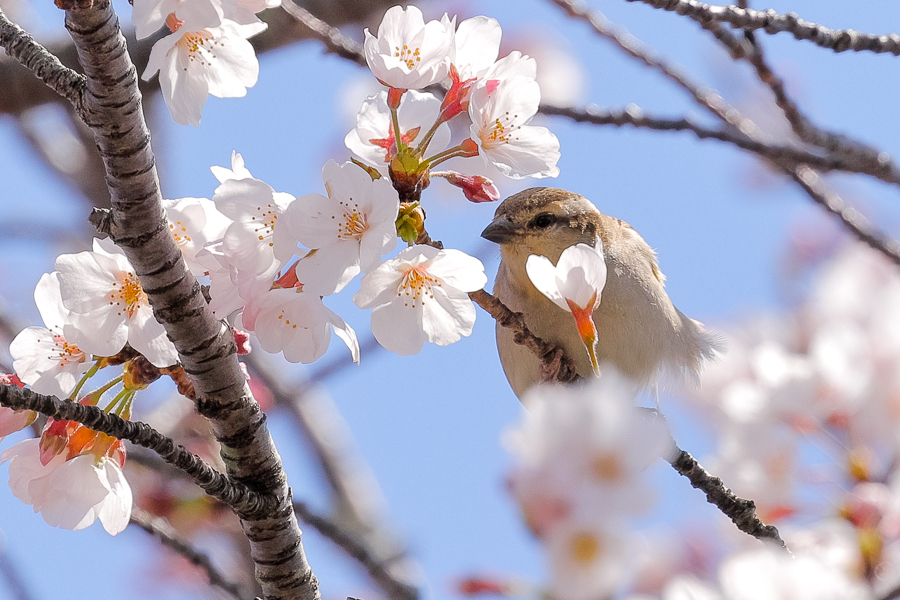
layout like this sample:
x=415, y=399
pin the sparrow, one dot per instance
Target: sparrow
x=639, y=330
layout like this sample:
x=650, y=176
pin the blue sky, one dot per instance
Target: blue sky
x=430, y=425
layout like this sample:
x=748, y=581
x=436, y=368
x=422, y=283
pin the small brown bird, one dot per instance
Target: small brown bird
x=639, y=329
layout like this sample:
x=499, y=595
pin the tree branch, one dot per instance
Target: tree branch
x=851, y=218
x=163, y=531
x=377, y=568
x=839, y=40
x=779, y=154
x=236, y=495
x=205, y=346
x=861, y=157
x=556, y=365
x=803, y=175
x=741, y=512
x=335, y=41
x=23, y=48
x=707, y=98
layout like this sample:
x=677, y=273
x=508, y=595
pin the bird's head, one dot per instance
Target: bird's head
x=543, y=221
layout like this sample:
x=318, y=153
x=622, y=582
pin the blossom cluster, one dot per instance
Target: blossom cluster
x=206, y=53
x=403, y=131
x=578, y=478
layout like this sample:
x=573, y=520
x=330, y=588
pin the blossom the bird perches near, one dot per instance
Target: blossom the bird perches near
x=575, y=285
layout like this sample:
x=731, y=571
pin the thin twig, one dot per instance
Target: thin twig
x=22, y=47
x=236, y=495
x=839, y=40
x=556, y=365
x=712, y=101
x=13, y=577
x=335, y=41
x=741, y=512
x=377, y=568
x=165, y=533
x=781, y=154
x=851, y=218
x=707, y=98
x=861, y=157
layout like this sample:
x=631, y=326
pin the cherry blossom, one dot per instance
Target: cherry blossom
x=244, y=12
x=108, y=307
x=237, y=170
x=587, y=560
x=225, y=281
x=770, y=573
x=253, y=242
x=579, y=457
x=351, y=228
x=585, y=446
x=421, y=296
x=500, y=127
x=409, y=54
x=475, y=187
x=201, y=57
x=149, y=15
x=194, y=222
x=42, y=356
x=476, y=46
x=373, y=138
x=12, y=421
x=575, y=285
x=297, y=323
x=72, y=493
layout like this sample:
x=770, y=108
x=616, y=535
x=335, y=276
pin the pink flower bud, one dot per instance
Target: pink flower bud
x=475, y=187
x=242, y=339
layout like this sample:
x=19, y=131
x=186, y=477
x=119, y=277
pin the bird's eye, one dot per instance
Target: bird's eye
x=543, y=221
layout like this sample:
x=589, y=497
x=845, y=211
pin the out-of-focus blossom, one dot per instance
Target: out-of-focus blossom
x=586, y=446
x=587, y=561
x=770, y=574
x=579, y=456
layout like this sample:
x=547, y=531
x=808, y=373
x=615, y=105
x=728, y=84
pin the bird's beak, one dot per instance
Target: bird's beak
x=502, y=230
